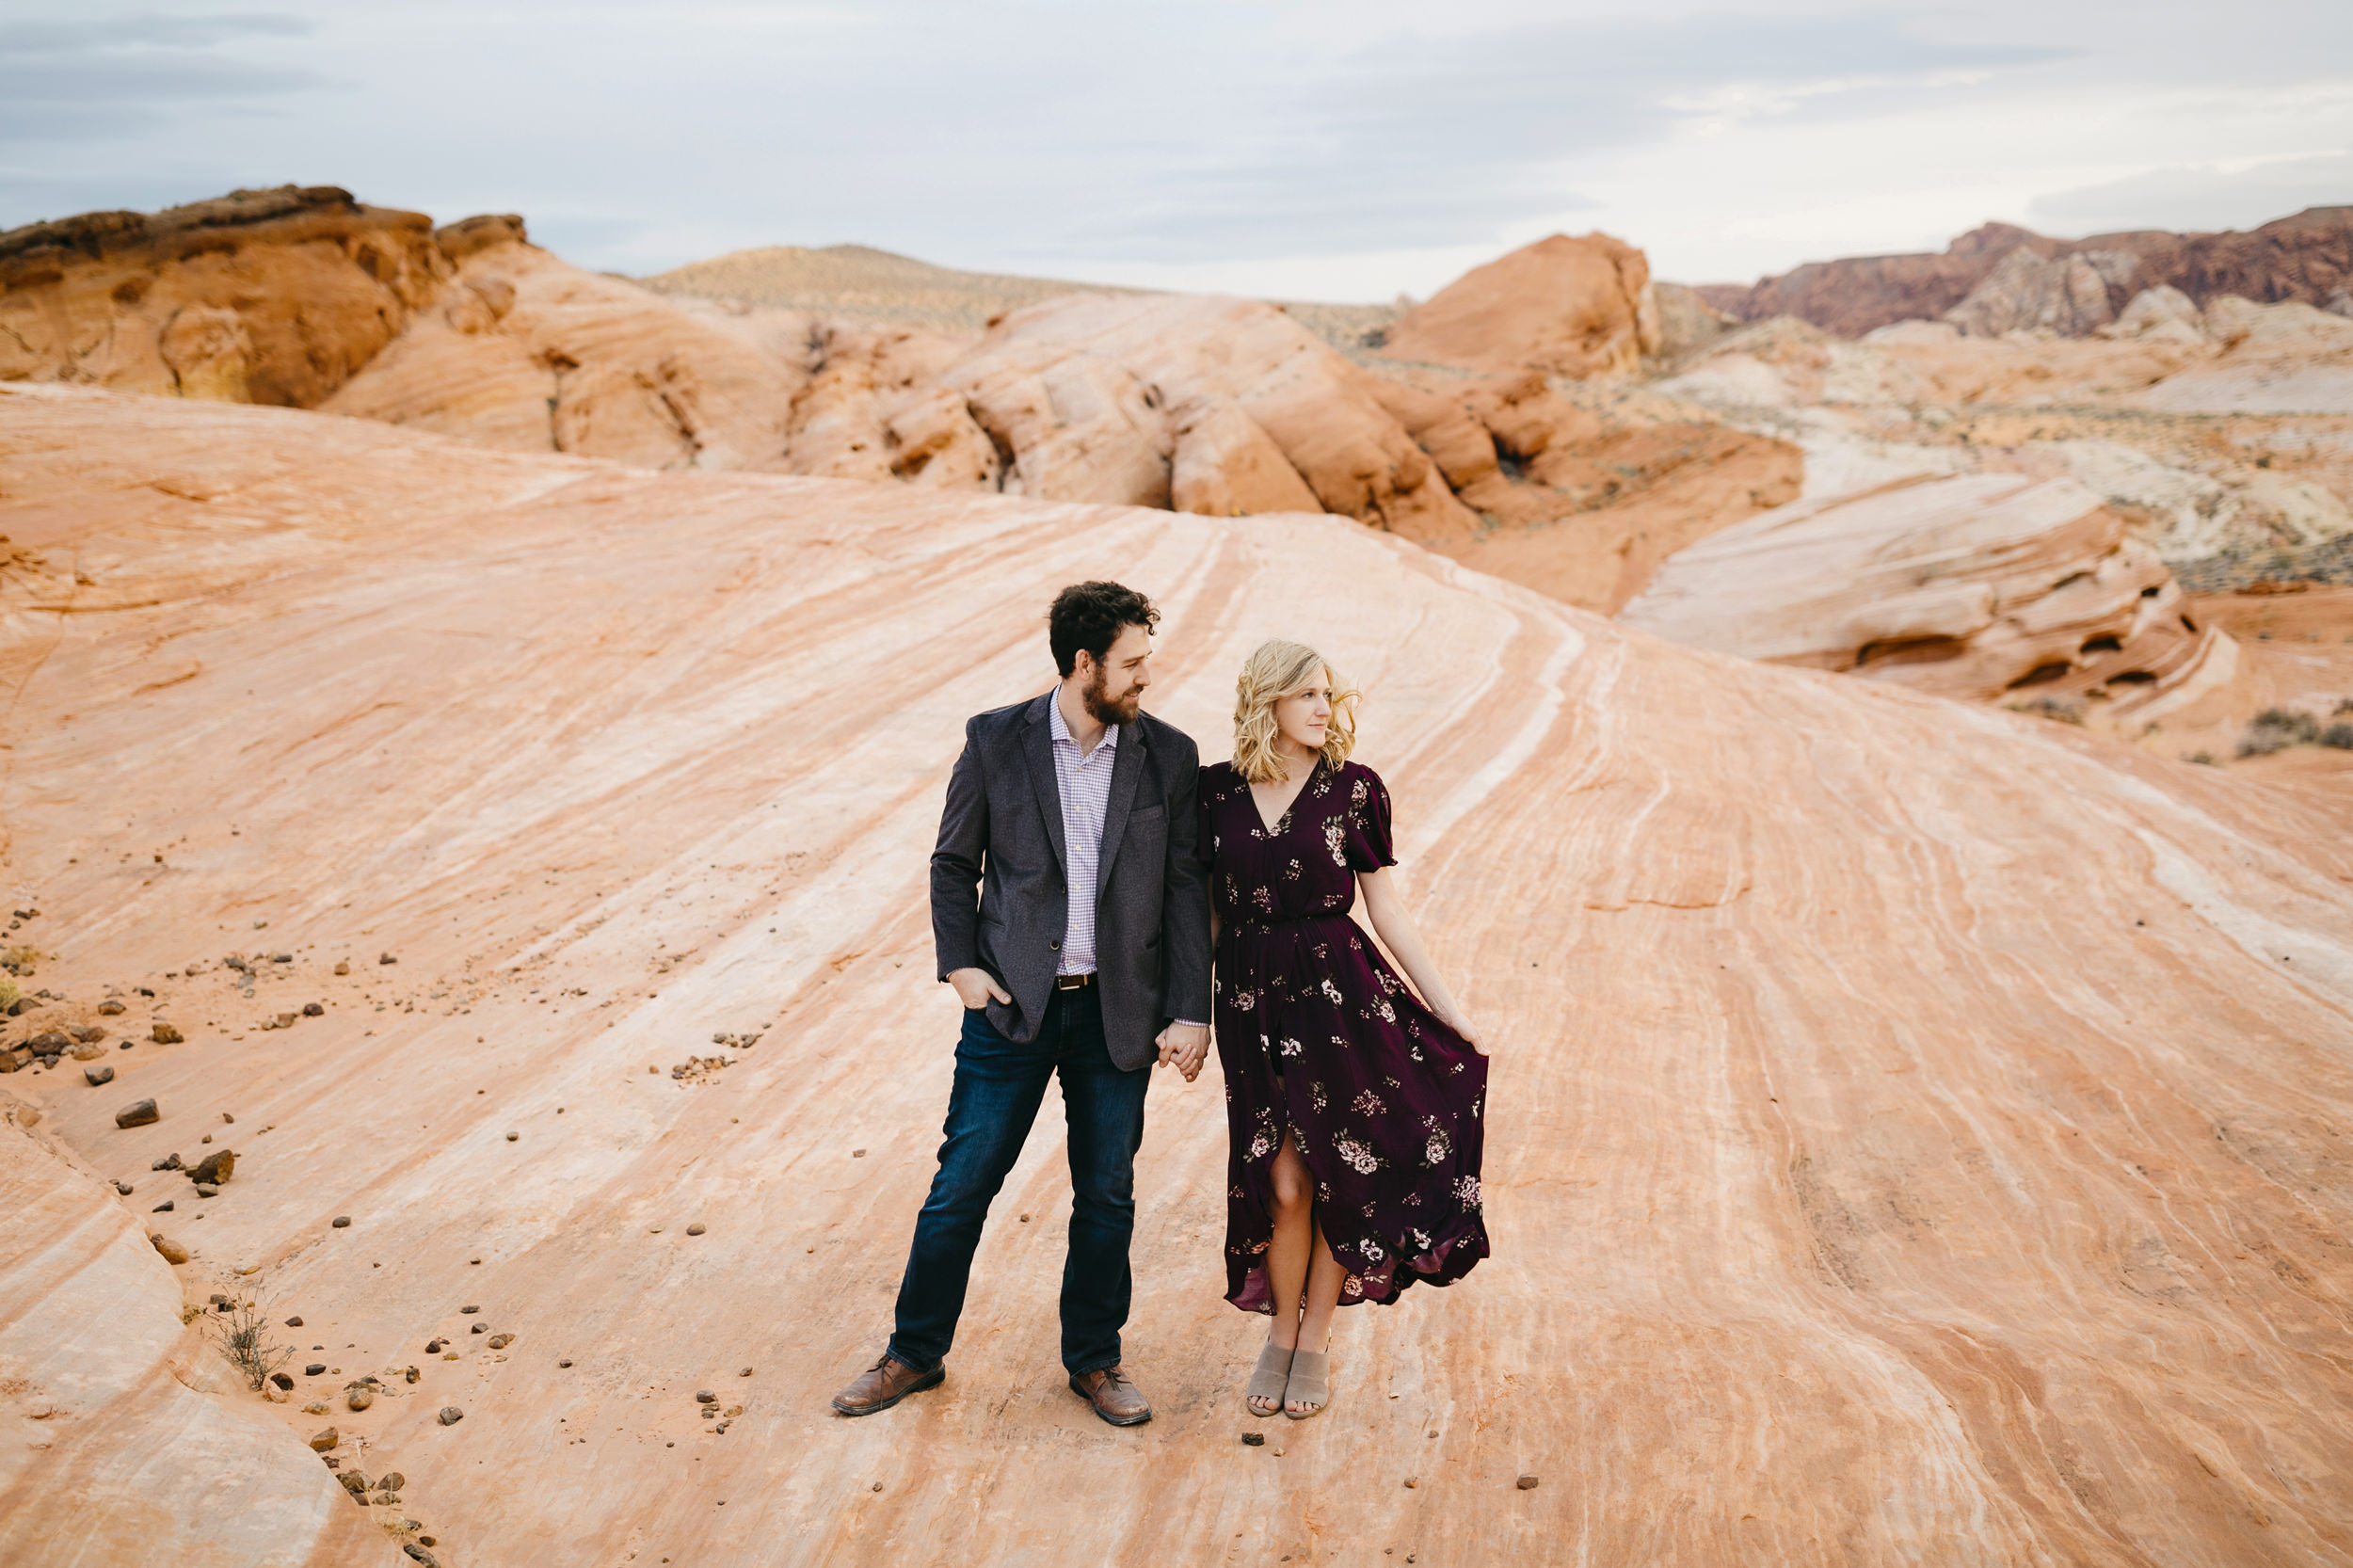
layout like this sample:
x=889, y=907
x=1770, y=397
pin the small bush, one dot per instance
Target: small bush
x=243, y=1335
x=2051, y=707
x=2278, y=728
x=2204, y=758
x=8, y=993
x=2338, y=735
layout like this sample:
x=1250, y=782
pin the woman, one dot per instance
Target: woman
x=1353, y=1102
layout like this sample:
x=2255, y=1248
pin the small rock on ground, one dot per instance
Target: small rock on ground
x=173, y=1252
x=138, y=1114
x=323, y=1441
x=451, y=1415
x=164, y=1034
x=98, y=1075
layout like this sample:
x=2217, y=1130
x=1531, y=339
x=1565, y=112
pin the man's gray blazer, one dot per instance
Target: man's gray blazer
x=1002, y=829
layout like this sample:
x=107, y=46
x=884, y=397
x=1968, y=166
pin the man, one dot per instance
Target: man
x=1087, y=956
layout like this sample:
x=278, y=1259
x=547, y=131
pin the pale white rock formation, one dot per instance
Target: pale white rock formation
x=1972, y=585
x=2030, y=292
x=2160, y=313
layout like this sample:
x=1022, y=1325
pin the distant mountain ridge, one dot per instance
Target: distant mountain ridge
x=2308, y=258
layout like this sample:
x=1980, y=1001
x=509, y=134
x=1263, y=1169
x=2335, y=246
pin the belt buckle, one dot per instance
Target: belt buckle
x=1072, y=982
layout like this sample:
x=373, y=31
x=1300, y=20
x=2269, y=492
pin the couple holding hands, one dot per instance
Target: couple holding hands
x=1113, y=872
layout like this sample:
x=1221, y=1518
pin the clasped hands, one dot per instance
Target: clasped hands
x=1184, y=1046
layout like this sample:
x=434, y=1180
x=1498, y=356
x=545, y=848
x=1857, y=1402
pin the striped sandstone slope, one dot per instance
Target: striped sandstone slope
x=1918, y=1132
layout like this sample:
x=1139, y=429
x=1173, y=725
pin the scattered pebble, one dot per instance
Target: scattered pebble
x=283, y=1380
x=500, y=1342
x=512, y=1136
x=98, y=1075
x=1527, y=1483
x=694, y=1229
x=470, y=1310
x=313, y=1010
x=109, y=1009
x=138, y=1114
x=481, y=1328
x=393, y=1481
x=451, y=1415
x=315, y=1369
x=564, y=1362
x=424, y=1558
x=206, y=1190
x=1409, y=1484
x=323, y=1441
x=1253, y=1440
x=342, y=966
x=164, y=1034
x=216, y=1168
x=704, y=1396
x=162, y=1207
x=341, y=1221
x=173, y=1252
x=857, y=1154
x=360, y=1397
x=123, y=1188
x=433, y=1346
x=168, y=1163
x=295, y=1321
x=388, y=958
x=411, y=1375
x=744, y=1373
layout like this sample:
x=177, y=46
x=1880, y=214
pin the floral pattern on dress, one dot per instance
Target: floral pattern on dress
x=1320, y=1037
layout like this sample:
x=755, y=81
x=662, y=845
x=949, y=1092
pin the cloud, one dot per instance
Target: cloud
x=92, y=33
x=2199, y=196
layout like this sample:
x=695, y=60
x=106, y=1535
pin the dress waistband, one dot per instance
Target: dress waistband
x=1255, y=923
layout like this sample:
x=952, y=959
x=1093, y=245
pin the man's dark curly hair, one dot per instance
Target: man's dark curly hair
x=1091, y=616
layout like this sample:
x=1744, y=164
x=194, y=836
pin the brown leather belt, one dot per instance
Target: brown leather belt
x=1074, y=982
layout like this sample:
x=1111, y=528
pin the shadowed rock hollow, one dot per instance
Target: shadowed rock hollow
x=1918, y=1132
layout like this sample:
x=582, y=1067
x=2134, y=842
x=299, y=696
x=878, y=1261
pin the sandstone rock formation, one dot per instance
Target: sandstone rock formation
x=96, y=1355
x=2307, y=258
x=525, y=352
x=258, y=296
x=1561, y=306
x=1974, y=587
x=1895, y=1099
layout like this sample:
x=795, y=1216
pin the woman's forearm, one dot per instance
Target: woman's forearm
x=1395, y=927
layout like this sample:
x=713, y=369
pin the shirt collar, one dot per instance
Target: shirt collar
x=1060, y=730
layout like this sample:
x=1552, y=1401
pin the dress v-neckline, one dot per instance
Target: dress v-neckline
x=1282, y=823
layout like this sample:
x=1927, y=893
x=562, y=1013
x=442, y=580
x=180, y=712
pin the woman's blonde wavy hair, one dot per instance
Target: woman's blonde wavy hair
x=1279, y=669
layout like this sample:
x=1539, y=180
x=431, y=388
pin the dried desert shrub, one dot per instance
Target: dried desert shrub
x=9, y=993
x=2051, y=707
x=20, y=959
x=2339, y=736
x=2278, y=728
x=242, y=1331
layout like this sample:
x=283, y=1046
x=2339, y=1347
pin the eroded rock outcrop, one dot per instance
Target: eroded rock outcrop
x=1561, y=306
x=525, y=352
x=1835, y=1016
x=258, y=296
x=2306, y=258
x=1975, y=587
x=129, y=1439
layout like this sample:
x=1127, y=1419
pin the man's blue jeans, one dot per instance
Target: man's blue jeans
x=998, y=1087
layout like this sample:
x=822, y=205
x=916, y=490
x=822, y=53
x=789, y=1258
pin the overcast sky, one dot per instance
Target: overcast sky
x=1308, y=149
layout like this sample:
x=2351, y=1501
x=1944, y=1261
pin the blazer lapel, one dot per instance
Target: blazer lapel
x=1037, y=745
x=1127, y=767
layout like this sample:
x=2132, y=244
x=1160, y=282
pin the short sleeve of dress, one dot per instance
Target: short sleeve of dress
x=1368, y=847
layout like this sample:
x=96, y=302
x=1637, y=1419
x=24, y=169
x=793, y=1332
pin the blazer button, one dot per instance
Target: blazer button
x=1056, y=946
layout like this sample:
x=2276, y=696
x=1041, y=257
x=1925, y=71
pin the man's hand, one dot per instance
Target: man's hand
x=1185, y=1046
x=975, y=986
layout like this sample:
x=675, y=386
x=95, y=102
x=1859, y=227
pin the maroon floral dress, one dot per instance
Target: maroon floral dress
x=1320, y=1037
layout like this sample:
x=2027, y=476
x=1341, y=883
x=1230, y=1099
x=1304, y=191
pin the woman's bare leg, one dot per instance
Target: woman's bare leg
x=1325, y=1278
x=1287, y=1252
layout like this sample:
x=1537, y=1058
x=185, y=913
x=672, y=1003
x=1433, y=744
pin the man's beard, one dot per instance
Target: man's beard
x=1097, y=696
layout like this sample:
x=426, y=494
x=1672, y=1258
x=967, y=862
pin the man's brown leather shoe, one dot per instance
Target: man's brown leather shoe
x=1113, y=1396
x=884, y=1385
